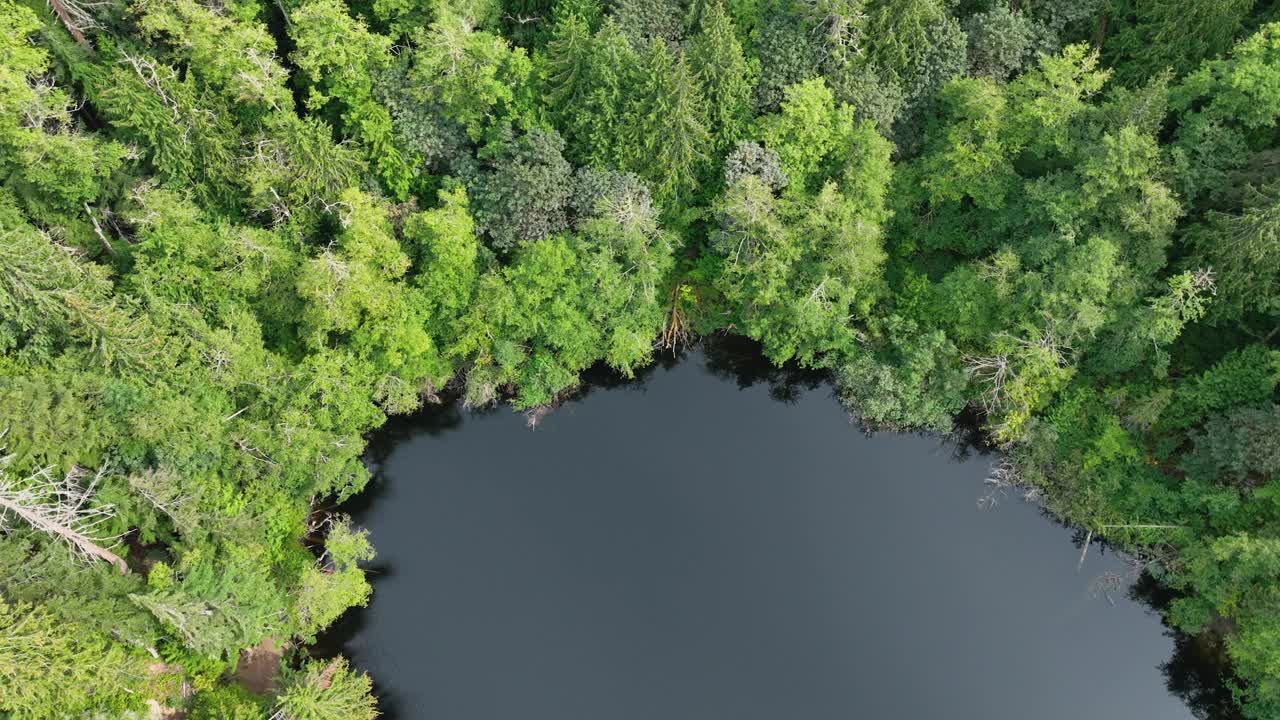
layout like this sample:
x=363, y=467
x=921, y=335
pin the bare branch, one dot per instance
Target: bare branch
x=60, y=508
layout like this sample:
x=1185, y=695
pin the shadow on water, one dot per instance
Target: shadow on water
x=739, y=359
x=1197, y=672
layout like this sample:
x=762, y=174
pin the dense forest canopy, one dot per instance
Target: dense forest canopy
x=236, y=235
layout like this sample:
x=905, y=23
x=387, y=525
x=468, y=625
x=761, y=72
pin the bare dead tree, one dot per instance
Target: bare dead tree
x=60, y=508
x=1005, y=478
x=992, y=372
x=1108, y=584
x=76, y=16
x=675, y=329
x=838, y=26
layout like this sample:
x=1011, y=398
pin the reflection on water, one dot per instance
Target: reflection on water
x=681, y=546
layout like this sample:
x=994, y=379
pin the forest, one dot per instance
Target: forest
x=237, y=235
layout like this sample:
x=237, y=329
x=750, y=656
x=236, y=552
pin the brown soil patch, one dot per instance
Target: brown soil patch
x=258, y=666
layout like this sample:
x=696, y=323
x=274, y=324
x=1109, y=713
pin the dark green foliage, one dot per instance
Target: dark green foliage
x=874, y=95
x=787, y=54
x=1145, y=37
x=1241, y=448
x=1001, y=41
x=1244, y=250
x=586, y=77
x=522, y=190
x=664, y=136
x=915, y=381
x=645, y=20
x=716, y=58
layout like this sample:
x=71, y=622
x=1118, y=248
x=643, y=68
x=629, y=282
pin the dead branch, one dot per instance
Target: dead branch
x=675, y=330
x=59, y=508
x=75, y=17
x=97, y=228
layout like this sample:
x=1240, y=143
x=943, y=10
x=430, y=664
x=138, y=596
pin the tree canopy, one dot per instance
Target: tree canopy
x=236, y=237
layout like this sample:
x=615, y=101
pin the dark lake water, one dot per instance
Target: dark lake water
x=717, y=542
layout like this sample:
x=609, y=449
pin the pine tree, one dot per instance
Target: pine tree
x=716, y=57
x=666, y=128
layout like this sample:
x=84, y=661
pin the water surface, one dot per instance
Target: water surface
x=688, y=547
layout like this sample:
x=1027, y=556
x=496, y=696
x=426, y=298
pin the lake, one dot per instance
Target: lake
x=716, y=540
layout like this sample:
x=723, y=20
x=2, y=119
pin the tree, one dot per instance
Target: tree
x=898, y=33
x=338, y=56
x=626, y=256
x=664, y=133
x=589, y=79
x=336, y=582
x=326, y=691
x=475, y=77
x=812, y=135
x=46, y=663
x=1242, y=249
x=797, y=269
x=52, y=301
x=645, y=20
x=61, y=509
x=973, y=158
x=716, y=58
x=786, y=54
x=521, y=194
x=235, y=56
x=749, y=158
x=1001, y=41
x=1144, y=38
x=50, y=168
x=1238, y=448
x=296, y=171
x=915, y=380
x=447, y=249
x=355, y=289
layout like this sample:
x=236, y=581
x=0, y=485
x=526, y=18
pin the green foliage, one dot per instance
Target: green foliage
x=810, y=134
x=899, y=33
x=716, y=58
x=1227, y=106
x=1147, y=37
x=645, y=20
x=786, y=54
x=913, y=381
x=664, y=134
x=52, y=169
x=476, y=78
x=1001, y=41
x=1235, y=577
x=797, y=268
x=227, y=702
x=1238, y=448
x=339, y=55
x=974, y=159
x=327, y=692
x=1244, y=378
x=1243, y=249
x=234, y=239
x=338, y=583
x=233, y=56
x=50, y=667
x=523, y=190
x=587, y=77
